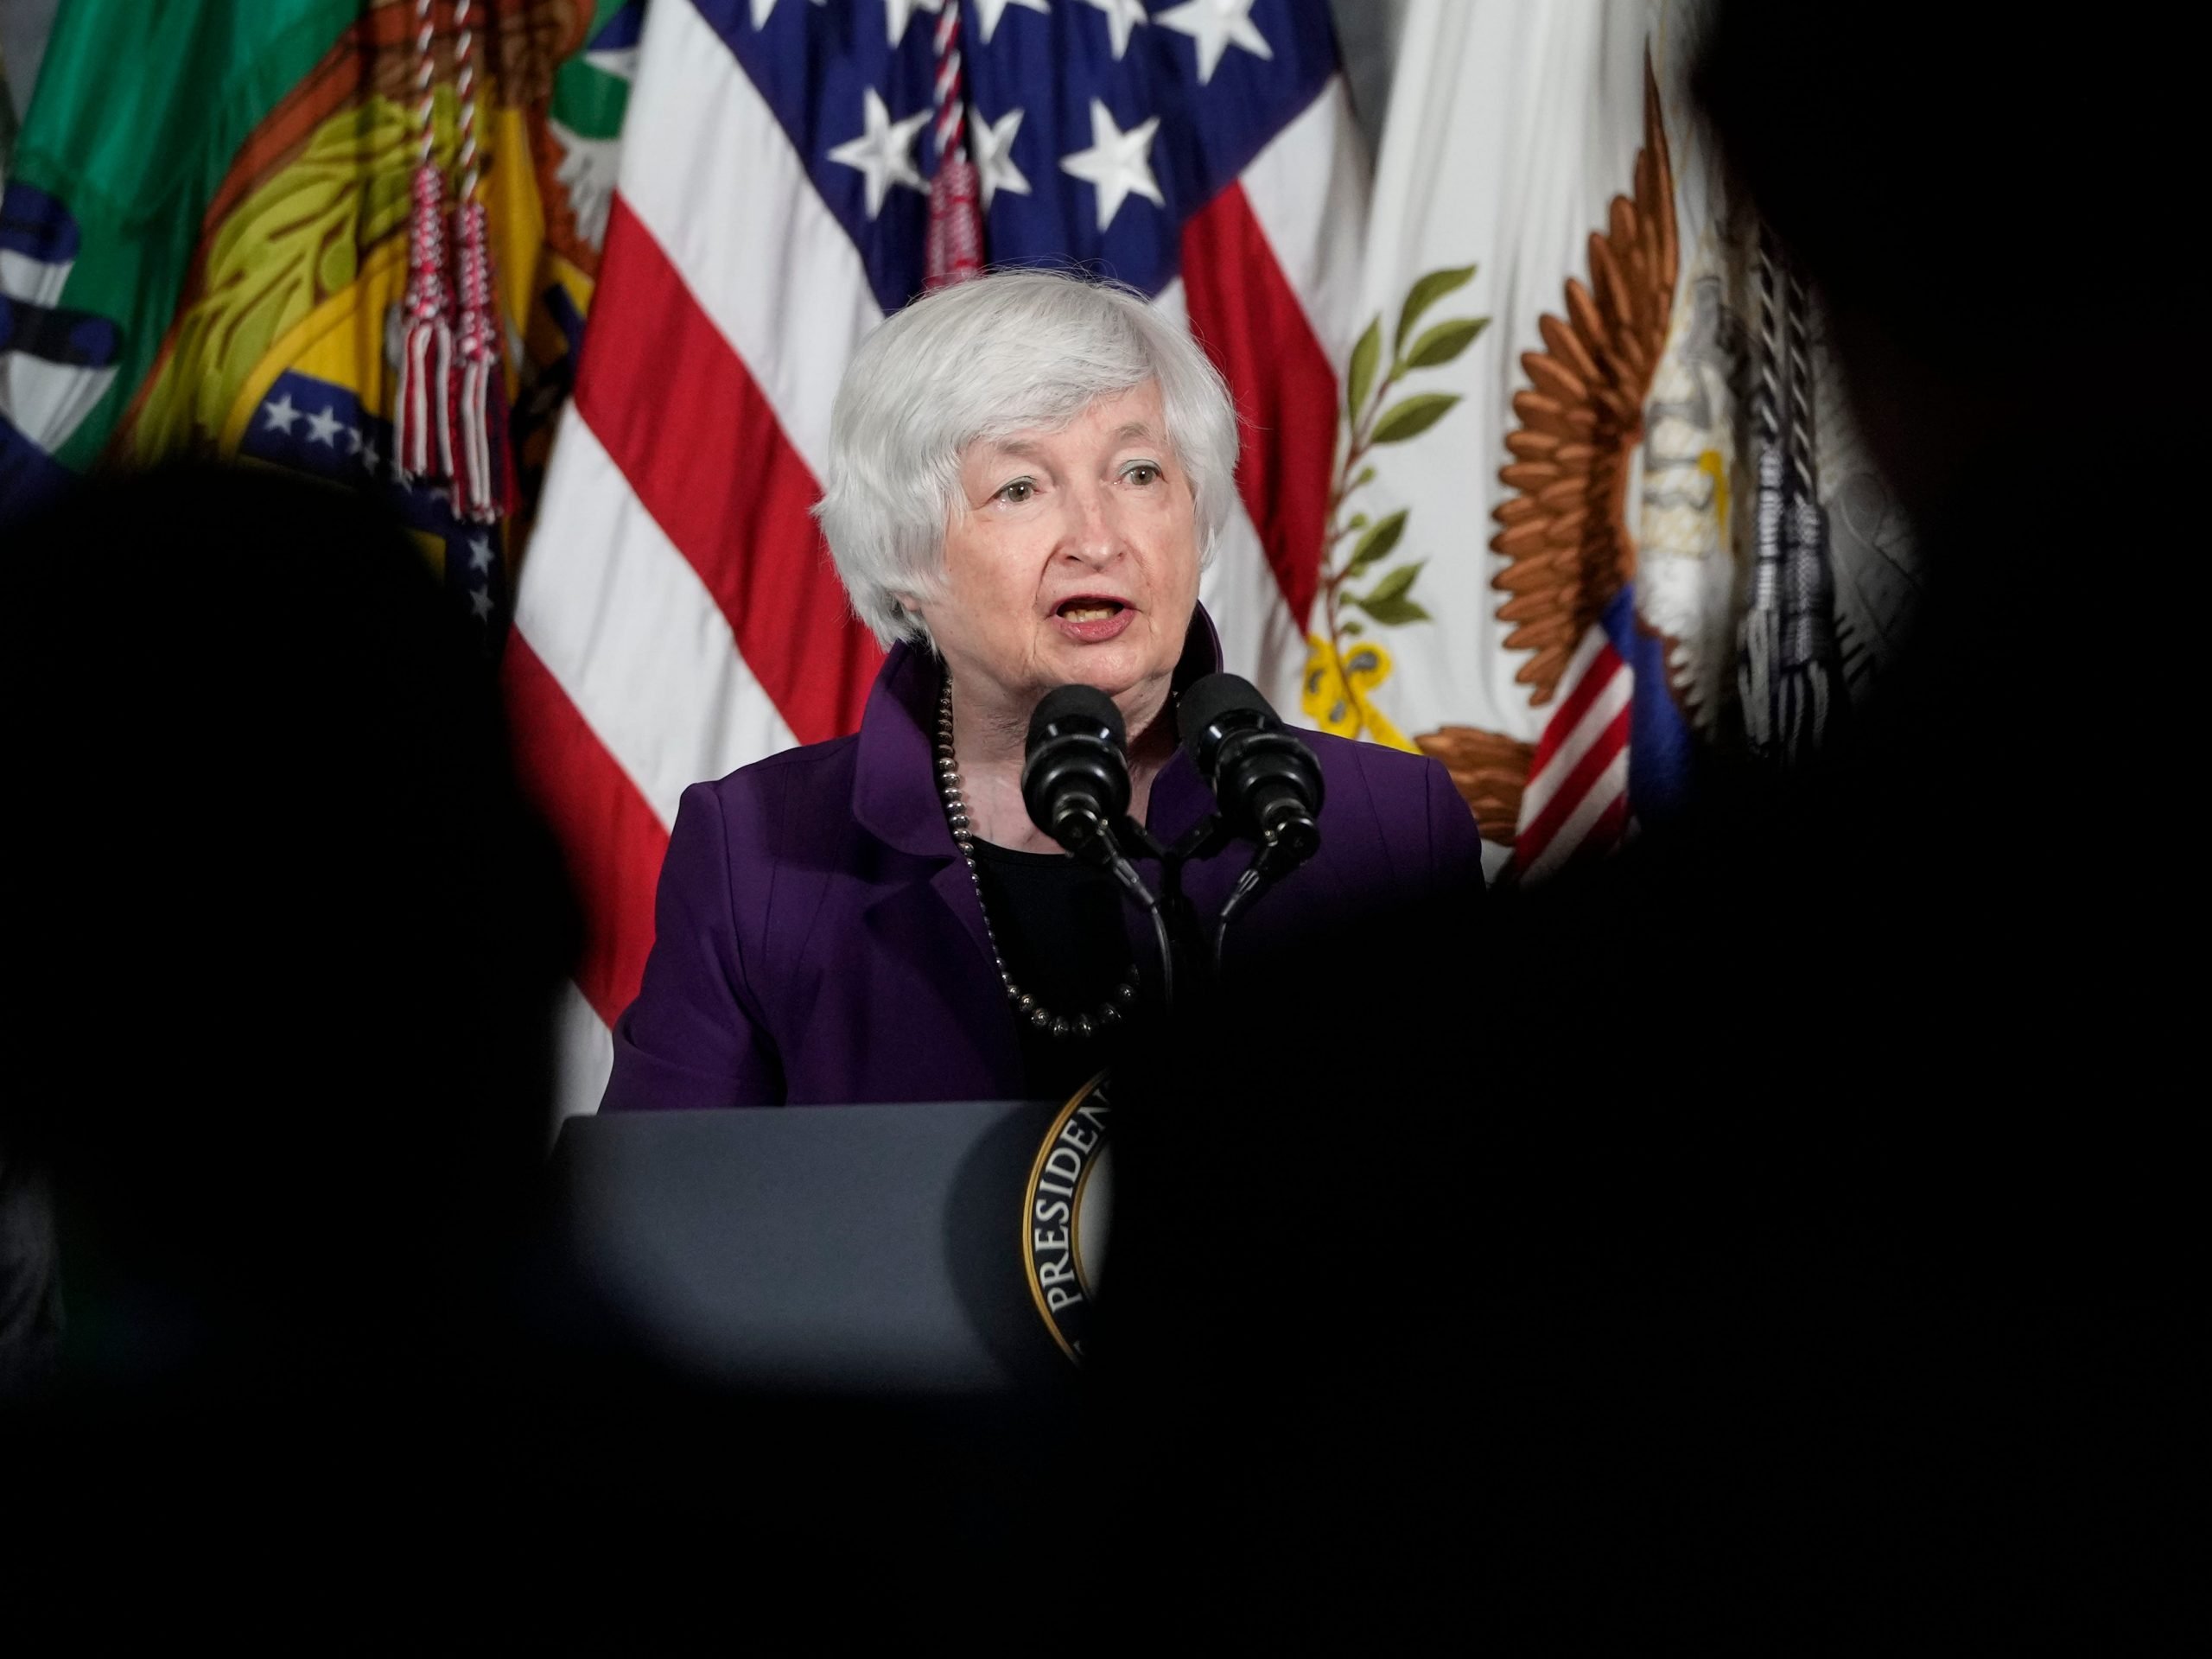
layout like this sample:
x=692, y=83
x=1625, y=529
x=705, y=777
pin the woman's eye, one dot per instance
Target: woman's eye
x=1018, y=492
x=1143, y=472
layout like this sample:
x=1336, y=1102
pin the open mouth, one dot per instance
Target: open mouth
x=1093, y=619
x=1086, y=608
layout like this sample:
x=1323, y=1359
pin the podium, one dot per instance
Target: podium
x=863, y=1251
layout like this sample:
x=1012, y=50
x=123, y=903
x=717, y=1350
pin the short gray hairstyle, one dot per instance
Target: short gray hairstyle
x=1015, y=350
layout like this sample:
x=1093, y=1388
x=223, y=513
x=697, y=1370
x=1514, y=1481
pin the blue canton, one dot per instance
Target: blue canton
x=816, y=65
x=310, y=426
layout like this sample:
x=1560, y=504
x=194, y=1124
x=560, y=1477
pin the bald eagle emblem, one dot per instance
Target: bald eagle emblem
x=1600, y=387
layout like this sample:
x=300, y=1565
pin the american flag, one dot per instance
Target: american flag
x=676, y=614
x=1610, y=758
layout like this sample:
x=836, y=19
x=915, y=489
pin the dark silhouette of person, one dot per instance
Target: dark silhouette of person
x=1762, y=1240
x=287, y=940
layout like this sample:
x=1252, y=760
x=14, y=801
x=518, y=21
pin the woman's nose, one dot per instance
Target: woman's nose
x=1092, y=532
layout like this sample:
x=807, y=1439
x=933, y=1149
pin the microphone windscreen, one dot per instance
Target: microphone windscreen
x=1209, y=699
x=1084, y=702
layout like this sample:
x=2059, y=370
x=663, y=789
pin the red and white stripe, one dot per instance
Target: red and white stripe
x=1577, y=783
x=1576, y=801
x=677, y=615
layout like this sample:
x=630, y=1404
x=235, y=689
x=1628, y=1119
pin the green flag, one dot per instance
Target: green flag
x=205, y=232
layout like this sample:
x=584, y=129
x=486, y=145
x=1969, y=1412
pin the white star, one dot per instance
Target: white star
x=762, y=11
x=992, y=143
x=622, y=62
x=280, y=415
x=897, y=14
x=323, y=428
x=479, y=553
x=369, y=457
x=1122, y=16
x=1118, y=163
x=482, y=601
x=987, y=13
x=1217, y=25
x=586, y=171
x=885, y=152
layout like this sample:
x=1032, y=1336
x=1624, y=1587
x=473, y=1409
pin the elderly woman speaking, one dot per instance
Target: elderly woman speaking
x=1027, y=473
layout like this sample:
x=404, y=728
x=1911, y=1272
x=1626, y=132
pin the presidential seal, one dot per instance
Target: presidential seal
x=1064, y=1216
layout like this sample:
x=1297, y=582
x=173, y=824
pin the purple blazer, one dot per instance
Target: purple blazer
x=818, y=941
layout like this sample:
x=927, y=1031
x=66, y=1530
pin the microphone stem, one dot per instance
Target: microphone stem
x=1126, y=874
x=1167, y=959
x=1240, y=898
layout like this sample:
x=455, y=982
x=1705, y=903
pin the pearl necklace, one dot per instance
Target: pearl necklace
x=1108, y=1012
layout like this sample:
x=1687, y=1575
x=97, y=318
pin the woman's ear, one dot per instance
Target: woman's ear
x=916, y=625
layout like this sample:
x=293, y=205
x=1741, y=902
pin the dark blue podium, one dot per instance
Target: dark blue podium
x=840, y=1250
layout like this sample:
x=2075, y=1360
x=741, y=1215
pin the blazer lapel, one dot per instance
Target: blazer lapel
x=895, y=800
x=932, y=926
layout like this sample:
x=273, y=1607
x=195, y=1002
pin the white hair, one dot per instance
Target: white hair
x=1012, y=351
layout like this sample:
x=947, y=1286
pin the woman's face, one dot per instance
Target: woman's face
x=1072, y=556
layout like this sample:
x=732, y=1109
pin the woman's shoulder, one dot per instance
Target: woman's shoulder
x=795, y=768
x=1384, y=774
x=809, y=789
x=1407, y=799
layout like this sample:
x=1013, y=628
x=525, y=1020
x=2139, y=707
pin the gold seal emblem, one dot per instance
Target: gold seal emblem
x=1064, y=1216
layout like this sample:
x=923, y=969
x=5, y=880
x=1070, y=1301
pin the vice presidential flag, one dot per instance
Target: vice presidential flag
x=678, y=615
x=1626, y=432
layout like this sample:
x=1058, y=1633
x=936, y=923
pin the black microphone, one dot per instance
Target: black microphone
x=1075, y=781
x=1267, y=781
x=1075, y=772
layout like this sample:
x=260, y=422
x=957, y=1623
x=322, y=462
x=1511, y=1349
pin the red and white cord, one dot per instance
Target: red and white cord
x=421, y=430
x=955, y=248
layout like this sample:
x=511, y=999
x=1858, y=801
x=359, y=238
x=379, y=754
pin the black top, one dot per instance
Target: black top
x=1060, y=927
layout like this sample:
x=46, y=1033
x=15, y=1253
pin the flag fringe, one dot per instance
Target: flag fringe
x=423, y=435
x=483, y=479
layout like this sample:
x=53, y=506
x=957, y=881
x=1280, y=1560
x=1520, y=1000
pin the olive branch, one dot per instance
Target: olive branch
x=1366, y=424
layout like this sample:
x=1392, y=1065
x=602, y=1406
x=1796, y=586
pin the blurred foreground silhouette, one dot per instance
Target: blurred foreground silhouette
x=1775, y=1238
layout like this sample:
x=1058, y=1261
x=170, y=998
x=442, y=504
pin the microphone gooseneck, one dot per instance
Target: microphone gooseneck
x=1075, y=783
x=1265, y=781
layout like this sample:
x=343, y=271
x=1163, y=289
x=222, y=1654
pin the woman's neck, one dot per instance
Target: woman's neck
x=989, y=739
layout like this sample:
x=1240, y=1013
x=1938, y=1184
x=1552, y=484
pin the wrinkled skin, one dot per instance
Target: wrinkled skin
x=1100, y=508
